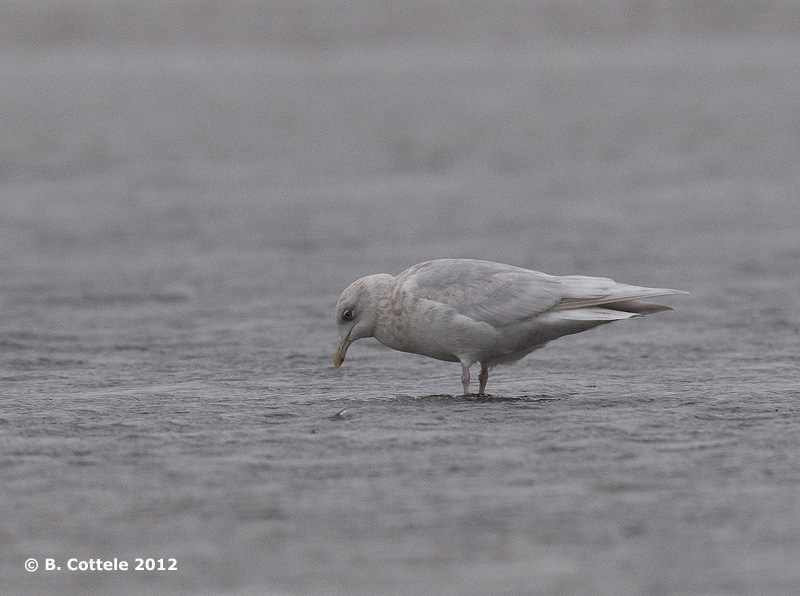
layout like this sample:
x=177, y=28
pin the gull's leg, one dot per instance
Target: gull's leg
x=483, y=376
x=465, y=378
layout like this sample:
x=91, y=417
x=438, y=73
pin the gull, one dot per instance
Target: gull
x=471, y=311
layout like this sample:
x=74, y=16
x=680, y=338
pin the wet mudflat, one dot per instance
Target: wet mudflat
x=179, y=220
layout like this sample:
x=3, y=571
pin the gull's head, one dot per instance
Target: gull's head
x=357, y=313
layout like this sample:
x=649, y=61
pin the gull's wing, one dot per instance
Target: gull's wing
x=500, y=294
x=580, y=291
x=488, y=292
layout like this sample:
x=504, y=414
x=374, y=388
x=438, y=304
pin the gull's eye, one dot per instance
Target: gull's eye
x=347, y=315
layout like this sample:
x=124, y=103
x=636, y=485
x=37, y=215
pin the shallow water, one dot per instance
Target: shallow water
x=178, y=221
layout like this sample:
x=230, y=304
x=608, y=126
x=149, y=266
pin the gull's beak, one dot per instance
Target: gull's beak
x=341, y=350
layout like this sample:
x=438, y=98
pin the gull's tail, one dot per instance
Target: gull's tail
x=585, y=292
x=637, y=307
x=601, y=300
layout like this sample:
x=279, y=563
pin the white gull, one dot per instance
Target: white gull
x=468, y=311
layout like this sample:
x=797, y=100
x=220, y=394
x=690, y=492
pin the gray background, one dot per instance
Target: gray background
x=186, y=188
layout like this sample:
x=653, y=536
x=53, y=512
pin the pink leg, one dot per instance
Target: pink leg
x=465, y=379
x=483, y=376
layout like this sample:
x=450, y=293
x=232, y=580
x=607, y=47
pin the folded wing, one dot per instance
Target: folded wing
x=502, y=295
x=582, y=292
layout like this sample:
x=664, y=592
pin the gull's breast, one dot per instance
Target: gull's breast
x=435, y=330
